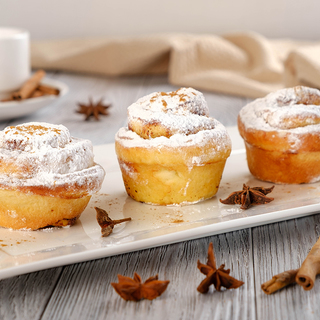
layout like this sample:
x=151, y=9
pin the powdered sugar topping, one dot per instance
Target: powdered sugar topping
x=42, y=154
x=183, y=111
x=219, y=135
x=34, y=136
x=294, y=110
x=174, y=120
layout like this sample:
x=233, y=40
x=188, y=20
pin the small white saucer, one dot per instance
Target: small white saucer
x=15, y=109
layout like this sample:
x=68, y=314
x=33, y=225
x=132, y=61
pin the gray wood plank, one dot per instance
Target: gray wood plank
x=26, y=296
x=279, y=247
x=84, y=290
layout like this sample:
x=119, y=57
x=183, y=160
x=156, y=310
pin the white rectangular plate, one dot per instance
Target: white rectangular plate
x=27, y=251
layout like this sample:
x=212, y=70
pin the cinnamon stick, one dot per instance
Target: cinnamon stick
x=279, y=281
x=37, y=93
x=309, y=268
x=48, y=90
x=29, y=86
x=7, y=99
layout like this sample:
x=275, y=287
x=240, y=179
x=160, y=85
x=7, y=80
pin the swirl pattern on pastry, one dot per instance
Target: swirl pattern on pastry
x=291, y=115
x=183, y=111
x=43, y=159
x=175, y=121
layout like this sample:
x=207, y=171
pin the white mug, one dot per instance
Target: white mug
x=14, y=59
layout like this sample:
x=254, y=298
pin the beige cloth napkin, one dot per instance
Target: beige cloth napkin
x=245, y=64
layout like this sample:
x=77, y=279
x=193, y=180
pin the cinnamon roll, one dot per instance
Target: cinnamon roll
x=47, y=177
x=282, y=136
x=172, y=152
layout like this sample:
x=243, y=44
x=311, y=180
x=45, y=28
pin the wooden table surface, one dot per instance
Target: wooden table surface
x=254, y=255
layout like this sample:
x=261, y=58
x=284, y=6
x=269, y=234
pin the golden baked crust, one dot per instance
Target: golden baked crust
x=283, y=167
x=280, y=140
x=177, y=153
x=46, y=176
x=282, y=136
x=171, y=184
x=19, y=210
x=168, y=175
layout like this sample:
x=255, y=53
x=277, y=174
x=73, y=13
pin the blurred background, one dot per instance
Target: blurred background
x=61, y=19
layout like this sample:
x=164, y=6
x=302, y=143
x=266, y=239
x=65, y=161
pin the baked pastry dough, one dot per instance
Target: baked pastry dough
x=46, y=176
x=282, y=135
x=172, y=152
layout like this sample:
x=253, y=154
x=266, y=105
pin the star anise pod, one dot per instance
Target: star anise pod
x=106, y=223
x=218, y=277
x=249, y=196
x=93, y=109
x=134, y=290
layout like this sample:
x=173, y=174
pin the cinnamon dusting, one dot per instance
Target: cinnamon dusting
x=32, y=129
x=182, y=96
